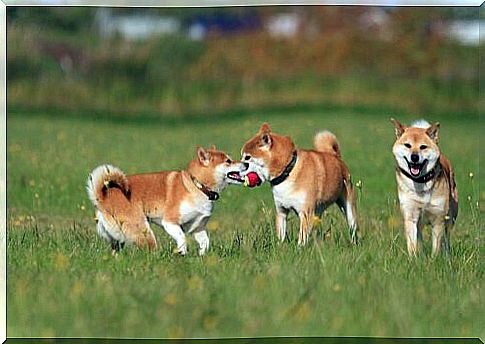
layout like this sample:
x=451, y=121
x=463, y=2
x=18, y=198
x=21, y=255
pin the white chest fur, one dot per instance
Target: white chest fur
x=285, y=196
x=193, y=214
x=420, y=196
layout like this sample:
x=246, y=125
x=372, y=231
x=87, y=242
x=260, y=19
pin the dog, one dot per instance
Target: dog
x=305, y=181
x=179, y=201
x=426, y=185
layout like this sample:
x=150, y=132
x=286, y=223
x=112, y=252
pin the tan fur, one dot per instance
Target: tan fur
x=160, y=197
x=319, y=178
x=325, y=141
x=434, y=201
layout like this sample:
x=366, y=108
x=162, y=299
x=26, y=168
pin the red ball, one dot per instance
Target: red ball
x=252, y=179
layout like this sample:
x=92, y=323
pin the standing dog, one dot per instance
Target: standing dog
x=426, y=184
x=305, y=181
x=180, y=201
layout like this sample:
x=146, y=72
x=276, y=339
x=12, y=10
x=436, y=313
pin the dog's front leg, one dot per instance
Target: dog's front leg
x=437, y=234
x=281, y=214
x=176, y=232
x=203, y=240
x=198, y=230
x=411, y=218
x=306, y=219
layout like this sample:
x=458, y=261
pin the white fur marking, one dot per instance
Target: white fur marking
x=285, y=197
x=97, y=178
x=107, y=232
x=203, y=240
x=420, y=123
x=350, y=216
x=177, y=234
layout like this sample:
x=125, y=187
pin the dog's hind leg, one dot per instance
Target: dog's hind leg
x=346, y=203
x=140, y=234
x=110, y=232
x=450, y=221
x=116, y=246
x=446, y=239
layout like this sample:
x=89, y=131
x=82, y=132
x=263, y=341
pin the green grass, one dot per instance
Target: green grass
x=62, y=280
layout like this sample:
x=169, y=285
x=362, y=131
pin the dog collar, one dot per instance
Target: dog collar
x=286, y=172
x=211, y=195
x=422, y=179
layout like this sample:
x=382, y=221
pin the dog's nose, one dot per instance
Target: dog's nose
x=414, y=157
x=246, y=165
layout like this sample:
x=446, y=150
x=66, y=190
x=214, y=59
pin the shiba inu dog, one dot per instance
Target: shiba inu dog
x=426, y=185
x=179, y=201
x=305, y=181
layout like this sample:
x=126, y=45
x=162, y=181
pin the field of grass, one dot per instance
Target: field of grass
x=62, y=280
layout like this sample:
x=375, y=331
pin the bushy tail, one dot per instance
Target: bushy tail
x=325, y=141
x=102, y=178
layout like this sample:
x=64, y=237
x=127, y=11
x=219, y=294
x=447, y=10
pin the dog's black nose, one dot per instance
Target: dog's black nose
x=246, y=165
x=414, y=157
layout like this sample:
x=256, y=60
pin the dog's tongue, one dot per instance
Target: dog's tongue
x=415, y=171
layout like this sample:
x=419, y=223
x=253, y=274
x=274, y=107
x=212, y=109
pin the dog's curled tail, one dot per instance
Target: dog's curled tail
x=325, y=141
x=101, y=179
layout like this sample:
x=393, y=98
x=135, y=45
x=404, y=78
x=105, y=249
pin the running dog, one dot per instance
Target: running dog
x=179, y=201
x=426, y=185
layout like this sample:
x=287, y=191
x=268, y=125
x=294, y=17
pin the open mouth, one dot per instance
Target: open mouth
x=234, y=175
x=416, y=168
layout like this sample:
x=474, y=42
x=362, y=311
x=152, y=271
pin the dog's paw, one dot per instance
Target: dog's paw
x=180, y=251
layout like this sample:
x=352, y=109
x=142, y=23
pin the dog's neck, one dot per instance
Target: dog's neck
x=425, y=177
x=286, y=172
x=211, y=195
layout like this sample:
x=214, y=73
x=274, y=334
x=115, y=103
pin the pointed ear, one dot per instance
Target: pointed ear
x=203, y=155
x=213, y=147
x=264, y=128
x=398, y=127
x=432, y=131
x=266, y=139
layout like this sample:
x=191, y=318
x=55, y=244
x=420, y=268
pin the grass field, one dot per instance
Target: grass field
x=62, y=280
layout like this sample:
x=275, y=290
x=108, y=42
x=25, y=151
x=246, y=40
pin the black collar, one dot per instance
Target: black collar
x=211, y=195
x=286, y=172
x=424, y=178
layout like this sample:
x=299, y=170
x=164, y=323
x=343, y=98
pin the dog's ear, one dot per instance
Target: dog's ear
x=399, y=128
x=213, y=147
x=203, y=155
x=264, y=128
x=432, y=131
x=265, y=133
x=266, y=140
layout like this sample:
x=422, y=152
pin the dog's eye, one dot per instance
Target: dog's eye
x=423, y=147
x=407, y=145
x=228, y=161
x=247, y=157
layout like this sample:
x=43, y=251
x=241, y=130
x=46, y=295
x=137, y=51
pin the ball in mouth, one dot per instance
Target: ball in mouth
x=252, y=179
